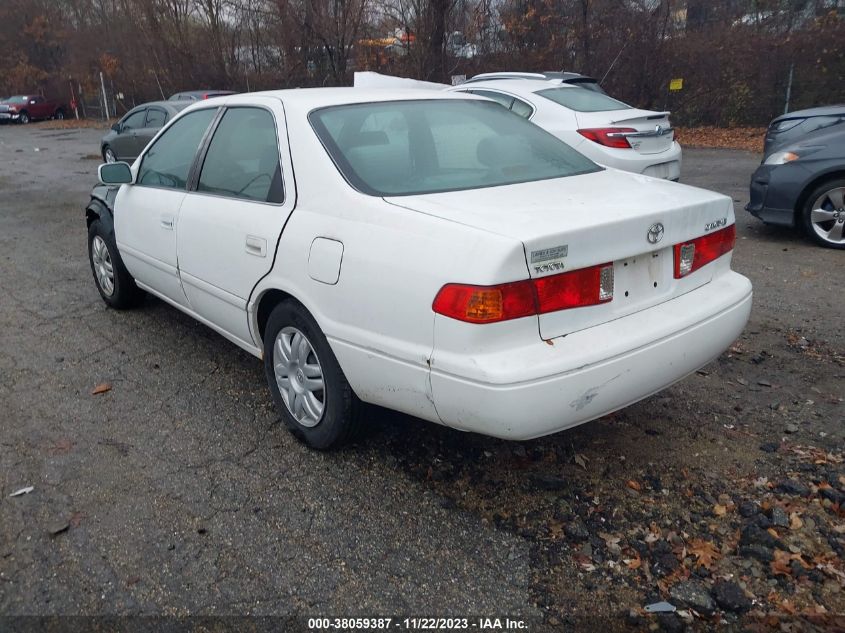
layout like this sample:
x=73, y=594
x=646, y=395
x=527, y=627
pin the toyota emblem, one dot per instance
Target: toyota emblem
x=655, y=233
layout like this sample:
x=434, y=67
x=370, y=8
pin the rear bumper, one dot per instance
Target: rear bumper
x=590, y=373
x=665, y=165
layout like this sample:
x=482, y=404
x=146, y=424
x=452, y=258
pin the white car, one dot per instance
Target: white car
x=605, y=130
x=427, y=252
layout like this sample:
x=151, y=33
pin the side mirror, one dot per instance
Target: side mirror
x=114, y=173
x=116, y=126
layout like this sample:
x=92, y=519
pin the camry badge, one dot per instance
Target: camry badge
x=655, y=233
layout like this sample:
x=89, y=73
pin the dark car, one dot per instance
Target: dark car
x=564, y=77
x=794, y=125
x=30, y=107
x=803, y=184
x=131, y=134
x=199, y=95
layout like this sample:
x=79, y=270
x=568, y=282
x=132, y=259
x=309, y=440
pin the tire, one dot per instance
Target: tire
x=109, y=155
x=326, y=417
x=118, y=289
x=823, y=215
x=59, y=115
x=24, y=118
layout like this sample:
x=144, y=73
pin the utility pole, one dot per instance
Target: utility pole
x=789, y=88
x=105, y=98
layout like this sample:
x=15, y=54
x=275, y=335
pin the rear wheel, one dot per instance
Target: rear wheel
x=306, y=381
x=824, y=214
x=59, y=115
x=114, y=283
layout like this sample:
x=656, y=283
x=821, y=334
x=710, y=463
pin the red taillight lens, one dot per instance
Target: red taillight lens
x=692, y=255
x=490, y=304
x=486, y=304
x=608, y=136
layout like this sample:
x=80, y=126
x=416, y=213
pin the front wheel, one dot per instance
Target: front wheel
x=24, y=118
x=824, y=214
x=108, y=155
x=308, y=386
x=113, y=281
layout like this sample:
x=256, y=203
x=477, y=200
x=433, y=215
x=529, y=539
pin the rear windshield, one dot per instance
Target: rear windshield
x=398, y=148
x=19, y=99
x=582, y=100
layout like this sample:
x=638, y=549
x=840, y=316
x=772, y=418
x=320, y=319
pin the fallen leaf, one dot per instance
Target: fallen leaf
x=795, y=522
x=101, y=388
x=76, y=519
x=633, y=563
x=704, y=551
x=581, y=460
x=720, y=510
x=634, y=485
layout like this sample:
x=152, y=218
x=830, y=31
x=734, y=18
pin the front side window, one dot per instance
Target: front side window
x=156, y=117
x=582, y=100
x=168, y=162
x=428, y=146
x=134, y=121
x=243, y=158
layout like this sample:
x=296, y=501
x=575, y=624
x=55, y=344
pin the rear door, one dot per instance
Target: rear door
x=231, y=221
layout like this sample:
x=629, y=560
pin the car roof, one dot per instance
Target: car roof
x=323, y=97
x=173, y=105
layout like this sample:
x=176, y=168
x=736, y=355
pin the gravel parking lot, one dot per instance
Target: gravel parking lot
x=178, y=492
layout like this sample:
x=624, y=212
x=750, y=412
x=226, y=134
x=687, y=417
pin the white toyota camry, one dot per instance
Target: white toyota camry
x=431, y=253
x=602, y=128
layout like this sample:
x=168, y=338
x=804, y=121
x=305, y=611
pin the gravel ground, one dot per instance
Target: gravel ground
x=177, y=492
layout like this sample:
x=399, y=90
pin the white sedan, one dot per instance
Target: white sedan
x=431, y=253
x=602, y=128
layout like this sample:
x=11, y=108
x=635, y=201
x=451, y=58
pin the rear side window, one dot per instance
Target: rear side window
x=168, y=161
x=521, y=108
x=243, y=158
x=156, y=117
x=582, y=100
x=498, y=97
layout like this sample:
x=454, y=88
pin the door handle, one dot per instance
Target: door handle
x=256, y=246
x=167, y=222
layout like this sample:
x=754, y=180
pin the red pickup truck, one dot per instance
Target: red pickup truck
x=26, y=108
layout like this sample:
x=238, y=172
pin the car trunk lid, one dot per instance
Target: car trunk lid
x=653, y=134
x=604, y=217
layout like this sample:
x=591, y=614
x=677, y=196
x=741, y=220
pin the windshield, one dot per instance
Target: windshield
x=398, y=148
x=582, y=100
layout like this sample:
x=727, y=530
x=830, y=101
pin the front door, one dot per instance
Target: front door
x=147, y=212
x=230, y=225
x=123, y=145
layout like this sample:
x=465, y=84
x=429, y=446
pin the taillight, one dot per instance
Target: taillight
x=609, y=136
x=692, y=255
x=490, y=304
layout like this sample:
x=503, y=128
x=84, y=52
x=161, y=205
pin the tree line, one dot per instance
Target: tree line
x=738, y=59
